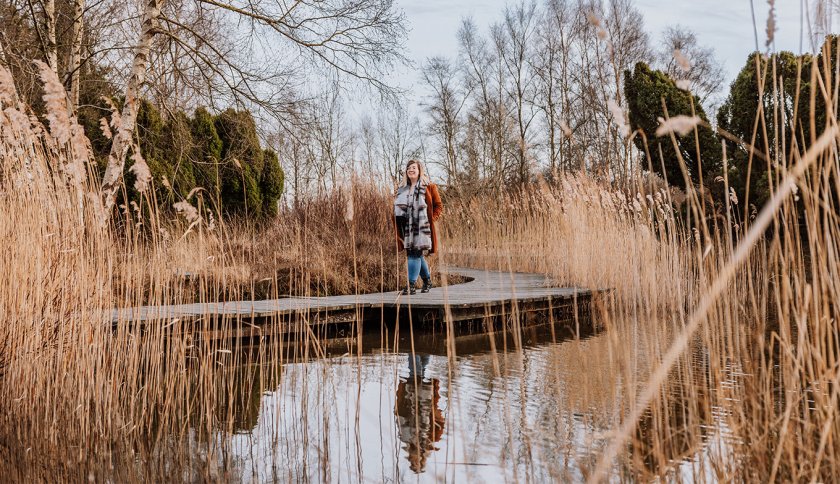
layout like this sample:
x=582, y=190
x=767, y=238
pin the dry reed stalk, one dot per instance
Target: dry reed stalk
x=91, y=400
x=718, y=285
x=551, y=230
x=790, y=279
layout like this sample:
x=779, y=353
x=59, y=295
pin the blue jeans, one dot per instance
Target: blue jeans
x=417, y=364
x=417, y=266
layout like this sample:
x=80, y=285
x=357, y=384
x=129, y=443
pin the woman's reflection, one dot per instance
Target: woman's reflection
x=418, y=416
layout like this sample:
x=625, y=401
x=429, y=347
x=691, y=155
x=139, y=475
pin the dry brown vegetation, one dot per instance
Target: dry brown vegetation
x=766, y=341
x=81, y=399
x=327, y=245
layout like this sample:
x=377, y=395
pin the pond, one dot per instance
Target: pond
x=534, y=405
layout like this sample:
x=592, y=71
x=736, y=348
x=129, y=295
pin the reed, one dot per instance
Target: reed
x=762, y=317
x=745, y=390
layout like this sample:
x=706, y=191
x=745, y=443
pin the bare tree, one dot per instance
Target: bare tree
x=122, y=139
x=485, y=76
x=258, y=55
x=594, y=87
x=367, y=133
x=75, y=62
x=444, y=108
x=628, y=44
x=294, y=150
x=475, y=63
x=67, y=36
x=513, y=39
x=20, y=45
x=546, y=66
x=611, y=38
x=553, y=63
x=49, y=28
x=628, y=41
x=681, y=56
x=332, y=140
x=219, y=53
x=558, y=68
x=399, y=140
x=45, y=27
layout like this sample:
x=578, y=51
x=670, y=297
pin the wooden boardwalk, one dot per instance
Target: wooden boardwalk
x=487, y=294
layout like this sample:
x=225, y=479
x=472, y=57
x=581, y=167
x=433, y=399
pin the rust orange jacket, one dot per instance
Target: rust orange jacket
x=435, y=211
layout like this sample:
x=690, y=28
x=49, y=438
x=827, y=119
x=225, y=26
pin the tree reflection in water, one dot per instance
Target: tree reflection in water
x=419, y=419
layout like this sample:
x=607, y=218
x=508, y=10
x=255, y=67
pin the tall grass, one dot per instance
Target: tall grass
x=554, y=229
x=756, y=386
x=768, y=373
x=83, y=398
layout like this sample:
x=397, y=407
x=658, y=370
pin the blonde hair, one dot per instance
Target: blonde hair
x=421, y=172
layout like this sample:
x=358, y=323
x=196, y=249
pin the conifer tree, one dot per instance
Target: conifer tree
x=646, y=90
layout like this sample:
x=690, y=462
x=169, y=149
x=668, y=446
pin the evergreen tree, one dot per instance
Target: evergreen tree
x=177, y=144
x=739, y=116
x=271, y=183
x=149, y=136
x=242, y=162
x=207, y=152
x=646, y=90
x=221, y=154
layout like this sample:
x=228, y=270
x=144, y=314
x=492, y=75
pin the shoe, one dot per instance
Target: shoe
x=427, y=284
x=410, y=290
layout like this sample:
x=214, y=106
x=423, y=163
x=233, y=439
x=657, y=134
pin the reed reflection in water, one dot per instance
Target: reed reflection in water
x=538, y=413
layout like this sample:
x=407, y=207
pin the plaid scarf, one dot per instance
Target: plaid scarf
x=412, y=216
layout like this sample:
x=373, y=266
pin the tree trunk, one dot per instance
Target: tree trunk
x=122, y=139
x=76, y=51
x=49, y=27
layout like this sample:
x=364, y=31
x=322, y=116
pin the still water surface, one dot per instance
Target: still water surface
x=533, y=408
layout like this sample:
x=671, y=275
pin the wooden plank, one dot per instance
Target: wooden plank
x=488, y=291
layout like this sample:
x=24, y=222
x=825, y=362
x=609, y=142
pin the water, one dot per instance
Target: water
x=535, y=409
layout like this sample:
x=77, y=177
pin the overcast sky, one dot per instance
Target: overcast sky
x=724, y=25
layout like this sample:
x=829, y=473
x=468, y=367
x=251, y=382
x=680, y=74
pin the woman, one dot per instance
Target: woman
x=420, y=420
x=416, y=208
